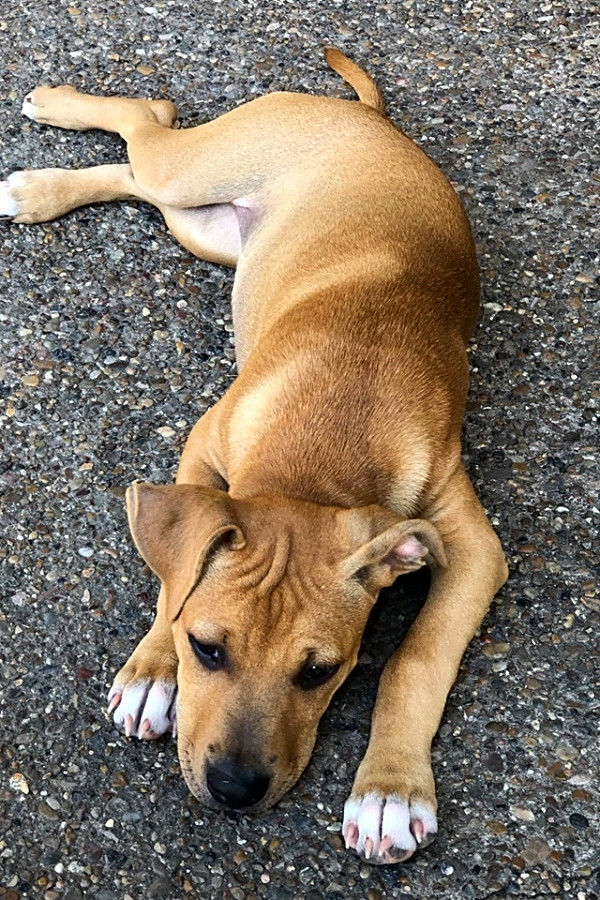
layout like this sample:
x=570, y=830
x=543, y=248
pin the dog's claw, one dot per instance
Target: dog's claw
x=145, y=730
x=350, y=836
x=114, y=698
x=129, y=725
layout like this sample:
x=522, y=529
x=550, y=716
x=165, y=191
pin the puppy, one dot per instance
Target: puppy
x=331, y=466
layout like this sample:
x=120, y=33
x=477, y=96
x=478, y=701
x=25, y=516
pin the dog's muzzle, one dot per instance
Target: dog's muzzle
x=236, y=787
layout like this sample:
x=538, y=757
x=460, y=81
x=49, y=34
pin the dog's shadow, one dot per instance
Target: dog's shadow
x=390, y=619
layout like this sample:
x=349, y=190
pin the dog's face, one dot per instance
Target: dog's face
x=268, y=600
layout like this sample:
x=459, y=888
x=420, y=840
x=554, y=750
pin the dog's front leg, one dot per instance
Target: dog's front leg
x=144, y=693
x=392, y=808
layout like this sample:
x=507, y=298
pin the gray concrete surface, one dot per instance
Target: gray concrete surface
x=111, y=332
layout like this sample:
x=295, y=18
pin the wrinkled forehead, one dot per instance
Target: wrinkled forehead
x=259, y=602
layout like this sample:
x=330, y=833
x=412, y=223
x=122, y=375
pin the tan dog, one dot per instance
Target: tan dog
x=332, y=464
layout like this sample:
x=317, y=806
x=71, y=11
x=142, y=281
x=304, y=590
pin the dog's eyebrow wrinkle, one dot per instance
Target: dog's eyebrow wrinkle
x=265, y=569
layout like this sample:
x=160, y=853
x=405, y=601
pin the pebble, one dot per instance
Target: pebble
x=47, y=812
x=566, y=752
x=520, y=812
x=497, y=650
x=18, y=782
x=535, y=851
x=579, y=821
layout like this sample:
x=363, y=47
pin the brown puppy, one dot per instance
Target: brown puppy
x=331, y=465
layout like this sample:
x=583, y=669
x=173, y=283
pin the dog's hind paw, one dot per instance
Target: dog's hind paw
x=144, y=708
x=50, y=106
x=387, y=830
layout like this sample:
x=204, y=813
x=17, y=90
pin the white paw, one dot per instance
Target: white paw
x=8, y=202
x=29, y=108
x=145, y=708
x=386, y=830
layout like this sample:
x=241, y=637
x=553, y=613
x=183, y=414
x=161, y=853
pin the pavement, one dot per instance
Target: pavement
x=113, y=340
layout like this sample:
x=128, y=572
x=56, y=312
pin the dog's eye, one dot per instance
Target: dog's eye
x=212, y=656
x=313, y=675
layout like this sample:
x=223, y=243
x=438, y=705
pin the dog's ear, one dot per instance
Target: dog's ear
x=396, y=549
x=175, y=527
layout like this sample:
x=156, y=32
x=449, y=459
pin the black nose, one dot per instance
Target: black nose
x=234, y=786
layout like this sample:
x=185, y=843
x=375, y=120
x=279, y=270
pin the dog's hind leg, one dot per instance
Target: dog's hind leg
x=39, y=195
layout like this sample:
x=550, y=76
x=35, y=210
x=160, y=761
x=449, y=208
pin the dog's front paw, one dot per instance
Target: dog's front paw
x=143, y=698
x=391, y=815
x=386, y=830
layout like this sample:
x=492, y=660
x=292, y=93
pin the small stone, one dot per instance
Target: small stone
x=497, y=650
x=535, y=851
x=567, y=752
x=145, y=70
x=18, y=783
x=31, y=380
x=47, y=812
x=585, y=279
x=86, y=552
x=166, y=431
x=519, y=812
x=337, y=842
x=496, y=827
x=160, y=887
x=494, y=763
x=578, y=821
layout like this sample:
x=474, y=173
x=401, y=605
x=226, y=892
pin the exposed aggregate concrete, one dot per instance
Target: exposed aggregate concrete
x=113, y=340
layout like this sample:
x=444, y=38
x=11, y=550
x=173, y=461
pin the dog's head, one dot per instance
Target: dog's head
x=268, y=599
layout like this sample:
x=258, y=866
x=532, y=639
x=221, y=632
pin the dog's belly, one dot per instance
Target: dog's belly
x=216, y=233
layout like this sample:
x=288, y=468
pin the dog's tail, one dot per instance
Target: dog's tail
x=361, y=81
